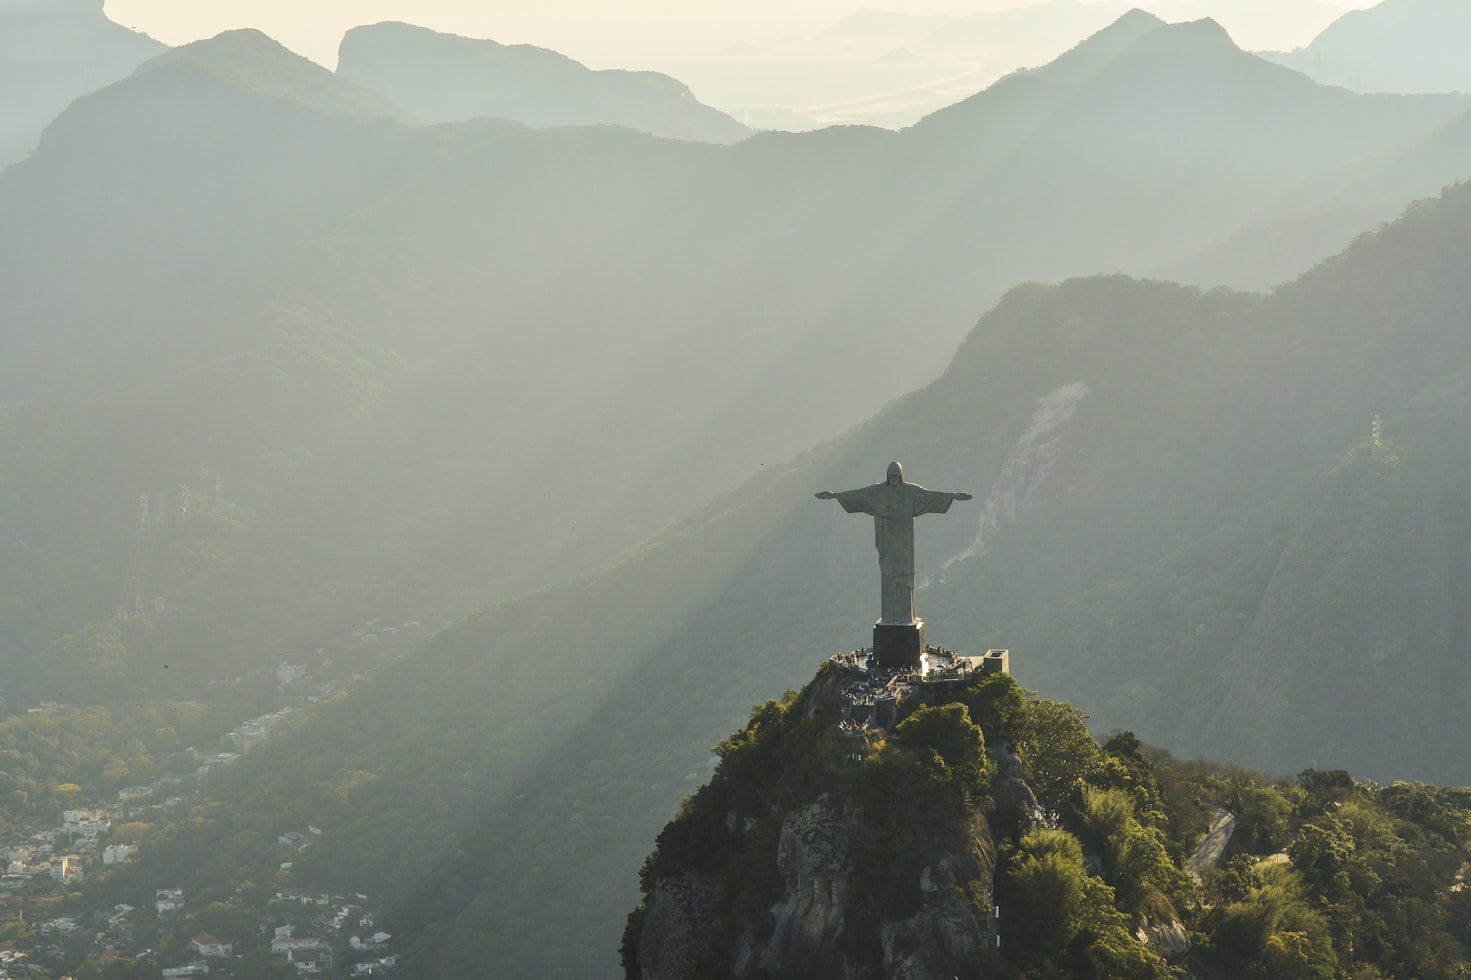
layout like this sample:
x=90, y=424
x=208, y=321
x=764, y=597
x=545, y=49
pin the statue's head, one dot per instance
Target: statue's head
x=896, y=475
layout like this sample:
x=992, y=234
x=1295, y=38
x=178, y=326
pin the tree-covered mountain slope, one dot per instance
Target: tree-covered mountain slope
x=628, y=324
x=1226, y=118
x=1177, y=519
x=447, y=78
x=980, y=833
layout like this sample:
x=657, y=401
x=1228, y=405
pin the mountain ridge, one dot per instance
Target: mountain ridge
x=252, y=61
x=51, y=53
x=448, y=78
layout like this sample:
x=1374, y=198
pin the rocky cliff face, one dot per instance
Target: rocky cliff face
x=811, y=867
x=676, y=920
x=801, y=934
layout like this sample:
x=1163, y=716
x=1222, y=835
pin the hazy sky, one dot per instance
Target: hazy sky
x=735, y=54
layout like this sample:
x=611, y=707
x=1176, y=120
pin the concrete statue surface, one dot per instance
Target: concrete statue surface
x=894, y=504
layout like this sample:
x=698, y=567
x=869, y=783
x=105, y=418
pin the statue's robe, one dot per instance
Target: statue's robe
x=893, y=510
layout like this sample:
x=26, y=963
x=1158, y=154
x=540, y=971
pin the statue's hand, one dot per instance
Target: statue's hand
x=962, y=496
x=824, y=495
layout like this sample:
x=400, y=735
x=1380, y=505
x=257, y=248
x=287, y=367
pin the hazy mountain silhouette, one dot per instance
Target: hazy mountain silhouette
x=52, y=51
x=1178, y=517
x=447, y=78
x=633, y=323
x=1393, y=46
x=252, y=62
x=1329, y=210
x=1026, y=31
x=1300, y=17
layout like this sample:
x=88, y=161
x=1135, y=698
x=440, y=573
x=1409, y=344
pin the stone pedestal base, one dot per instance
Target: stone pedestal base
x=898, y=645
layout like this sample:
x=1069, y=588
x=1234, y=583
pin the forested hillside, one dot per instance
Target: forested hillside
x=281, y=363
x=203, y=256
x=1177, y=514
x=1062, y=857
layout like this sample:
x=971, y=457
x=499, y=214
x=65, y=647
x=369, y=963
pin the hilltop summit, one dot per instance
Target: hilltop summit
x=252, y=61
x=980, y=831
x=448, y=78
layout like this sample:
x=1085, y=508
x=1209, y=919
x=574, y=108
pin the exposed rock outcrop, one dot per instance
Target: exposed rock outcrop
x=1169, y=939
x=676, y=922
x=814, y=857
x=945, y=936
x=822, y=852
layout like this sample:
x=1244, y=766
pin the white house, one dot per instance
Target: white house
x=374, y=942
x=208, y=946
x=117, y=853
x=168, y=900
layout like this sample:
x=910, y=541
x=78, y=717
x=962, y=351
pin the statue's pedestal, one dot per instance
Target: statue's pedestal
x=898, y=645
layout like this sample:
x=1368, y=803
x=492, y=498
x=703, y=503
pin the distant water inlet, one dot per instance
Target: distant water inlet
x=1030, y=463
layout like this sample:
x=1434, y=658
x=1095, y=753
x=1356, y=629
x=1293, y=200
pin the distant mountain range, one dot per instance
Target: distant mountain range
x=1393, y=46
x=648, y=311
x=52, y=52
x=252, y=62
x=279, y=360
x=444, y=78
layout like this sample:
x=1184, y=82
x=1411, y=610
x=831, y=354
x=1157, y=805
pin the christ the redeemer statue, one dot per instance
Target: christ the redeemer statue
x=894, y=505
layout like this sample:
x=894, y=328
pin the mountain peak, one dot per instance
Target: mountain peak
x=1132, y=19
x=450, y=78
x=1097, y=50
x=253, y=61
x=229, y=48
x=1204, y=36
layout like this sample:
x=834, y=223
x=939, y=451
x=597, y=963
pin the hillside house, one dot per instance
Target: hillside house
x=209, y=947
x=372, y=944
x=66, y=868
x=117, y=853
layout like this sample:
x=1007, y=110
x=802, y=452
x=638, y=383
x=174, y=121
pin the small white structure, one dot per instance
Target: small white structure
x=373, y=943
x=208, y=946
x=68, y=867
x=117, y=853
x=168, y=900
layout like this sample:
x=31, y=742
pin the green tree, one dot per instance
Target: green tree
x=1060, y=755
x=1057, y=916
